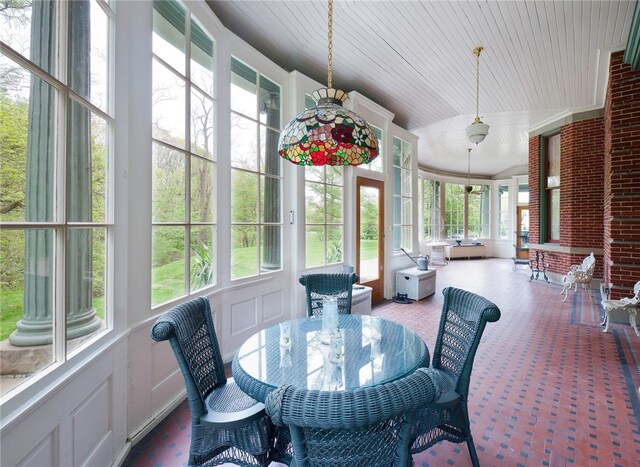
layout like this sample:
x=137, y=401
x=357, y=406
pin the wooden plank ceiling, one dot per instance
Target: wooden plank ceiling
x=541, y=60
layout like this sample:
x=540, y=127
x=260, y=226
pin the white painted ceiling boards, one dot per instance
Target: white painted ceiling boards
x=542, y=60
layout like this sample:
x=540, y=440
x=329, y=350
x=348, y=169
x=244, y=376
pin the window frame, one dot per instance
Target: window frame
x=405, y=199
x=65, y=98
x=546, y=208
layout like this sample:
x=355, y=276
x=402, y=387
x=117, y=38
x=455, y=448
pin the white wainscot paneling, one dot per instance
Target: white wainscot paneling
x=43, y=454
x=166, y=378
x=92, y=429
x=244, y=315
x=272, y=307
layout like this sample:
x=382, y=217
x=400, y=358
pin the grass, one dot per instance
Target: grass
x=167, y=282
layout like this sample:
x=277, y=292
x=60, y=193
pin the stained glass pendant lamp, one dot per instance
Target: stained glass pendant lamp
x=477, y=131
x=328, y=134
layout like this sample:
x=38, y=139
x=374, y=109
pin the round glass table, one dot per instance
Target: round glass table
x=368, y=351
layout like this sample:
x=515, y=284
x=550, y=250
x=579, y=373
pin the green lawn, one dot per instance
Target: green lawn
x=168, y=282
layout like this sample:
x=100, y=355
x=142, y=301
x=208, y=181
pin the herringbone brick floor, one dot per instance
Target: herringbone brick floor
x=548, y=386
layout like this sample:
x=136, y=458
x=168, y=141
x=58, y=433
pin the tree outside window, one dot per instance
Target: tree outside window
x=256, y=173
x=184, y=162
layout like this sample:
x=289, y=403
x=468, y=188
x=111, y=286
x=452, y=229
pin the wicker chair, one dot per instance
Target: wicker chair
x=363, y=427
x=464, y=317
x=319, y=286
x=579, y=274
x=226, y=424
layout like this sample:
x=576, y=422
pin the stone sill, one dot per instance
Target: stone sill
x=555, y=248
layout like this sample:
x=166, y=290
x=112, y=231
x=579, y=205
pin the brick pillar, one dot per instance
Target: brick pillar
x=622, y=178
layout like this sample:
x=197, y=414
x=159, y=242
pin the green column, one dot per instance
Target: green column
x=37, y=324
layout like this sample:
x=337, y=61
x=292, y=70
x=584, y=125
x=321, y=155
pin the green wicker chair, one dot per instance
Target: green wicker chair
x=319, y=286
x=226, y=424
x=464, y=316
x=365, y=427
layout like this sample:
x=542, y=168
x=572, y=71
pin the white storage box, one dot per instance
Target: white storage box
x=415, y=283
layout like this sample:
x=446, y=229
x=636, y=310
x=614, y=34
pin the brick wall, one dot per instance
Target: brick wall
x=622, y=178
x=581, y=188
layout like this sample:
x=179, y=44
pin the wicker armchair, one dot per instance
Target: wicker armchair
x=464, y=317
x=579, y=274
x=226, y=424
x=365, y=427
x=319, y=286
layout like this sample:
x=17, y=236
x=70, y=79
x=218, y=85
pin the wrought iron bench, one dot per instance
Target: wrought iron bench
x=579, y=274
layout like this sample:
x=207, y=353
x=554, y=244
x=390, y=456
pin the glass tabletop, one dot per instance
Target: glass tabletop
x=369, y=351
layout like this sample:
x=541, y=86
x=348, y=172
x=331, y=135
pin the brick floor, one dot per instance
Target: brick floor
x=548, y=386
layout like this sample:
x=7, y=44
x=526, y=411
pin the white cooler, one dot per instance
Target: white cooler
x=415, y=283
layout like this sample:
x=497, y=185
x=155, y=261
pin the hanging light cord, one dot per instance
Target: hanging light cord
x=476, y=52
x=468, y=167
x=330, y=42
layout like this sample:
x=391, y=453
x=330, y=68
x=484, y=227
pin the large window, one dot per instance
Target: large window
x=454, y=210
x=432, y=221
x=56, y=231
x=256, y=173
x=183, y=214
x=552, y=186
x=478, y=212
x=402, y=195
x=503, y=212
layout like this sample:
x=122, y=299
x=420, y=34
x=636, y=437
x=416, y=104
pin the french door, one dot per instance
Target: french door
x=370, y=235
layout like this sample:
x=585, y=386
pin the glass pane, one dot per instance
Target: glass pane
x=167, y=268
x=314, y=173
x=334, y=174
x=32, y=286
x=397, y=181
x=407, y=238
x=244, y=196
x=202, y=124
x=85, y=283
x=397, y=240
x=244, y=251
x=269, y=103
x=406, y=182
x=244, y=89
x=314, y=203
x=202, y=181
x=169, y=103
x=270, y=250
x=406, y=211
x=169, y=43
x=88, y=69
x=397, y=150
x=202, y=265
x=169, y=185
x=376, y=165
x=270, y=191
x=86, y=165
x=244, y=144
x=15, y=31
x=406, y=156
x=27, y=145
x=334, y=204
x=314, y=242
x=334, y=244
x=270, y=160
x=369, y=202
x=553, y=158
x=397, y=210
x=554, y=215
x=503, y=201
x=202, y=59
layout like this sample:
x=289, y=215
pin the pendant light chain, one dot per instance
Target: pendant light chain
x=479, y=49
x=330, y=42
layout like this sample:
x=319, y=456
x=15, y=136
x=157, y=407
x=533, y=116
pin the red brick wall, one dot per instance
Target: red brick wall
x=581, y=187
x=622, y=178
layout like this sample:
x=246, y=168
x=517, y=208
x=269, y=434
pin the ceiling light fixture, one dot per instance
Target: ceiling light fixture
x=477, y=131
x=328, y=133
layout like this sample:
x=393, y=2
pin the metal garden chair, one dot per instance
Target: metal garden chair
x=226, y=424
x=464, y=317
x=579, y=274
x=319, y=286
x=365, y=427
